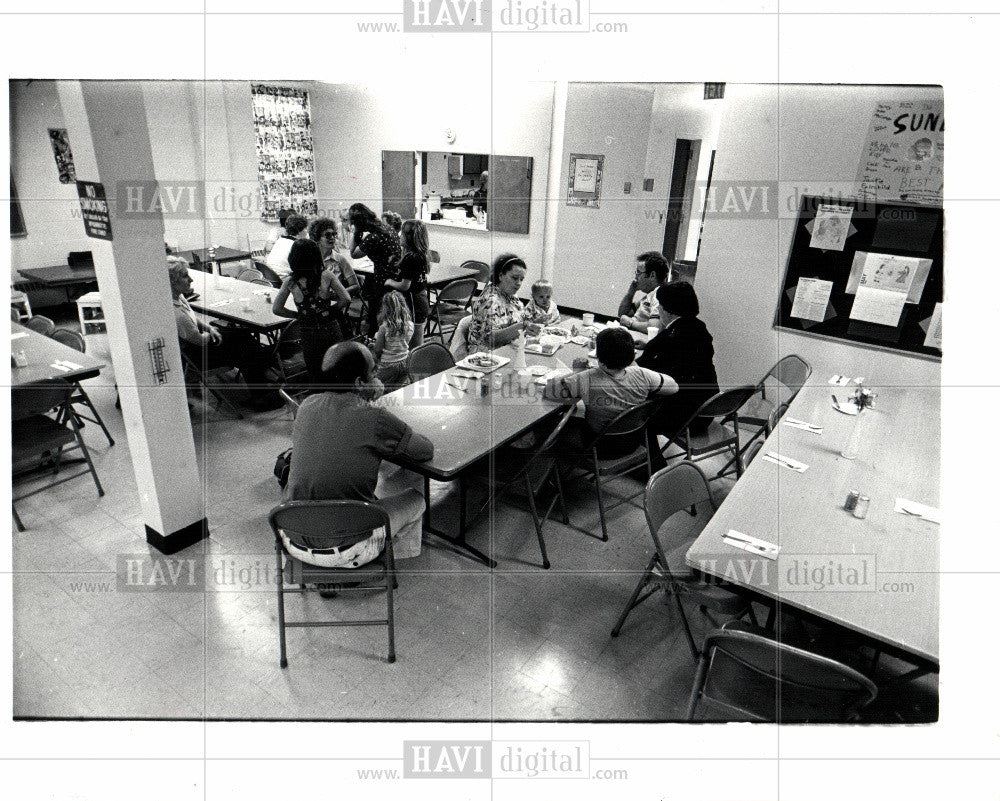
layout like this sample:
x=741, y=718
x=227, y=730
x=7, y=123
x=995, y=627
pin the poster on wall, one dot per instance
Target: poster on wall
x=903, y=155
x=585, y=173
x=284, y=150
x=64, y=156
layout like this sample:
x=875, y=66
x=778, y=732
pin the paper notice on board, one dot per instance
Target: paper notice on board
x=831, y=227
x=585, y=175
x=888, y=273
x=811, y=298
x=933, y=338
x=878, y=306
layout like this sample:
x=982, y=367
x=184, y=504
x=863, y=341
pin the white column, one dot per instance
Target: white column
x=108, y=128
x=554, y=187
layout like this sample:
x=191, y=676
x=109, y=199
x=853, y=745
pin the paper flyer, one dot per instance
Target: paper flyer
x=831, y=227
x=811, y=298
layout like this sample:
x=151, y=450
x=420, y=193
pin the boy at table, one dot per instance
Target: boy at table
x=614, y=386
x=338, y=443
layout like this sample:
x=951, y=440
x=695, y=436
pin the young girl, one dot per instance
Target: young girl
x=319, y=299
x=392, y=342
x=411, y=278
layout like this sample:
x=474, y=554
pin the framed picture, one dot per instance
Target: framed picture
x=585, y=173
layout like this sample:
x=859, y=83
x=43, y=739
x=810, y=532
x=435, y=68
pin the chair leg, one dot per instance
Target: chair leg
x=559, y=488
x=687, y=627
x=538, y=523
x=699, y=683
x=283, y=661
x=86, y=455
x=17, y=518
x=600, y=499
x=390, y=584
x=632, y=602
x=97, y=417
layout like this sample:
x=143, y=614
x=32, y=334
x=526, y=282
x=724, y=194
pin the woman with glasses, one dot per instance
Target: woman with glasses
x=325, y=233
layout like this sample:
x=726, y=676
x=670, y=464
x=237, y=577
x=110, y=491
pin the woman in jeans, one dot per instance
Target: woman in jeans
x=319, y=298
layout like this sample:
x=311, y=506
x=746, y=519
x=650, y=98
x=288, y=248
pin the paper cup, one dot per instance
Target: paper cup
x=588, y=319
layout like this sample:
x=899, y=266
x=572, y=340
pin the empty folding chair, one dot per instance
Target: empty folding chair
x=747, y=673
x=41, y=324
x=43, y=430
x=250, y=274
x=673, y=489
x=429, y=359
x=75, y=340
x=451, y=305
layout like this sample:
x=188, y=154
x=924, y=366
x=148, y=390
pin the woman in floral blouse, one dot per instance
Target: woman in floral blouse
x=498, y=314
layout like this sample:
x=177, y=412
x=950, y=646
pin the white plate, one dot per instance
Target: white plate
x=483, y=362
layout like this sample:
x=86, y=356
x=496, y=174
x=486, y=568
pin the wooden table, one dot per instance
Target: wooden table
x=41, y=353
x=221, y=255
x=61, y=276
x=221, y=297
x=893, y=557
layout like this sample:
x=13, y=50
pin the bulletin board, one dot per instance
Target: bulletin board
x=866, y=272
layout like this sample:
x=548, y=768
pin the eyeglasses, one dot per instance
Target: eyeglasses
x=329, y=235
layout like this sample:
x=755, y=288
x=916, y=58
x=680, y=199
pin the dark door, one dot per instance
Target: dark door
x=509, y=194
x=398, y=186
x=682, y=182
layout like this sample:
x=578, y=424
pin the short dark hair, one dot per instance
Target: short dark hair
x=306, y=261
x=283, y=215
x=320, y=226
x=504, y=263
x=615, y=348
x=678, y=297
x=295, y=224
x=654, y=262
x=344, y=364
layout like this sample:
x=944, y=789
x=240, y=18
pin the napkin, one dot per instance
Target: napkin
x=784, y=461
x=556, y=372
x=791, y=421
x=70, y=365
x=62, y=367
x=261, y=291
x=906, y=507
x=839, y=381
x=19, y=334
x=751, y=544
x=220, y=303
x=848, y=407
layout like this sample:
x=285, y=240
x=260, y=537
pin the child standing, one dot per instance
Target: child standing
x=392, y=342
x=411, y=277
x=540, y=310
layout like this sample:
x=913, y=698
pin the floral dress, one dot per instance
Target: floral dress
x=491, y=311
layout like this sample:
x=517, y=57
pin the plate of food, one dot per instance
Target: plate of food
x=545, y=346
x=483, y=362
x=556, y=331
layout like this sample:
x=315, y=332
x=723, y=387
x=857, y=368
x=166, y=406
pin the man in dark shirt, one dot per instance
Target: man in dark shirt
x=338, y=443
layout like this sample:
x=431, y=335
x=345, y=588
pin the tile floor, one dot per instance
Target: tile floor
x=515, y=643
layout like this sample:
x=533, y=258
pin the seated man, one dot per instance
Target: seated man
x=615, y=385
x=211, y=347
x=639, y=303
x=338, y=443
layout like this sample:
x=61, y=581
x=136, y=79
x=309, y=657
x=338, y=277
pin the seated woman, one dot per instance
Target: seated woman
x=498, y=314
x=210, y=347
x=683, y=350
x=324, y=232
x=320, y=299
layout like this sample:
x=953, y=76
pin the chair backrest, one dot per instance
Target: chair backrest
x=459, y=342
x=483, y=273
x=41, y=324
x=250, y=274
x=625, y=431
x=792, y=372
x=328, y=524
x=14, y=315
x=71, y=339
x=27, y=401
x=429, y=359
x=262, y=282
x=771, y=680
x=433, y=257
x=537, y=464
x=774, y=417
x=257, y=248
x=725, y=403
x=672, y=489
x=459, y=292
x=289, y=343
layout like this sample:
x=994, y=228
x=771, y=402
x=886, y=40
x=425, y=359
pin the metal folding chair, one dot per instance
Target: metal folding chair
x=76, y=341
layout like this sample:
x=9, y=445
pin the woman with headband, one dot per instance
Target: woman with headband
x=498, y=314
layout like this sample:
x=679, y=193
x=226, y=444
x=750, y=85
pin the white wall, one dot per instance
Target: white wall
x=810, y=139
x=51, y=209
x=353, y=124
x=595, y=248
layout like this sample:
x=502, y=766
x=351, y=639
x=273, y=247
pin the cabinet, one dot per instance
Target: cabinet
x=91, y=314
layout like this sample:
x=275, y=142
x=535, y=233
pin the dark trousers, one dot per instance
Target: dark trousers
x=315, y=343
x=239, y=348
